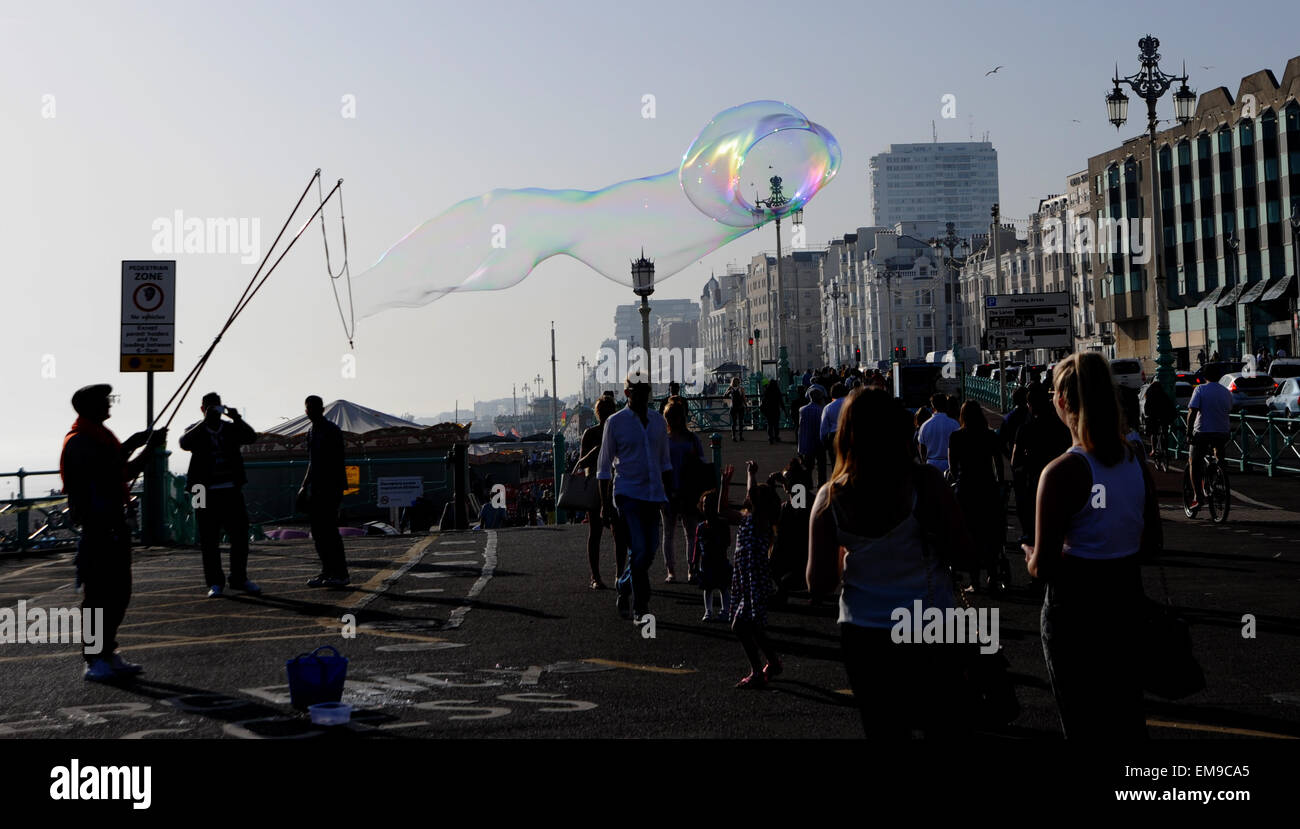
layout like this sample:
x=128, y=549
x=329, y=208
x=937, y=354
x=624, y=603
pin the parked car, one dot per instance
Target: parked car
x=1281, y=369
x=1224, y=366
x=1128, y=373
x=984, y=370
x=1287, y=400
x=1248, y=392
x=1189, y=377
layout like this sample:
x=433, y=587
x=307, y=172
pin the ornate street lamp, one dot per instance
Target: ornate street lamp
x=775, y=204
x=951, y=241
x=1151, y=84
x=643, y=285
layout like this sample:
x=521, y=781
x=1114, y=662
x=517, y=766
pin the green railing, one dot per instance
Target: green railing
x=1269, y=442
x=983, y=390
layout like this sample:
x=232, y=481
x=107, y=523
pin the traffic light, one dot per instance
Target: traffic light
x=758, y=334
x=751, y=340
x=904, y=349
x=897, y=353
x=857, y=354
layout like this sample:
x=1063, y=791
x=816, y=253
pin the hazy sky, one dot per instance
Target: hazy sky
x=225, y=109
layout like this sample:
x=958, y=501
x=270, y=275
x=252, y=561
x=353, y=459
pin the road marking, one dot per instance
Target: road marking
x=632, y=666
x=381, y=580
x=425, y=590
x=469, y=563
x=1253, y=502
x=489, y=567
x=1218, y=729
x=34, y=567
x=452, y=553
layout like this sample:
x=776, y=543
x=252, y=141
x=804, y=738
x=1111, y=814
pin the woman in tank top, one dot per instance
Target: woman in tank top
x=1096, y=512
x=880, y=530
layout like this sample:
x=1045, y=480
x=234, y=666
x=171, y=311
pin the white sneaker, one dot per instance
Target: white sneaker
x=214, y=592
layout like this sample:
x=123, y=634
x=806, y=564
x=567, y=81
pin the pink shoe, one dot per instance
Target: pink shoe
x=753, y=681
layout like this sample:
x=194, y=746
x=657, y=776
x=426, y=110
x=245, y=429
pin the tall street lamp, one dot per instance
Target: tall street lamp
x=643, y=285
x=775, y=204
x=1294, y=287
x=951, y=241
x=834, y=295
x=1151, y=84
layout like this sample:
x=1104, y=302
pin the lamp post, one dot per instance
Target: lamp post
x=834, y=294
x=951, y=241
x=1151, y=84
x=1230, y=247
x=884, y=273
x=583, y=365
x=643, y=285
x=1295, y=272
x=776, y=204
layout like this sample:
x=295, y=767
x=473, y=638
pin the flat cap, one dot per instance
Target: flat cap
x=89, y=394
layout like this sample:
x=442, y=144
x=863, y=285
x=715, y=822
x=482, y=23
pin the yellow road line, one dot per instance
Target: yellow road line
x=1218, y=729
x=632, y=666
x=377, y=580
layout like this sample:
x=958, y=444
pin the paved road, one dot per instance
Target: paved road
x=497, y=635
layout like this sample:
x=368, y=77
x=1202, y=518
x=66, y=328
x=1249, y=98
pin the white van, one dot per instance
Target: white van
x=1128, y=372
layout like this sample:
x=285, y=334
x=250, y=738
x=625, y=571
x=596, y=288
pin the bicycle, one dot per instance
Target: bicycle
x=1160, y=450
x=1215, y=478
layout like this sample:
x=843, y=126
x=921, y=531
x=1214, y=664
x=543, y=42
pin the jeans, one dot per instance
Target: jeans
x=224, y=511
x=642, y=519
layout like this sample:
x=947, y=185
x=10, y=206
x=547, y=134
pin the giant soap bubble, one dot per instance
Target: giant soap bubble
x=495, y=240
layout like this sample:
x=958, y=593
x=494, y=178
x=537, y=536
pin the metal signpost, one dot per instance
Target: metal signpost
x=1016, y=322
x=148, y=344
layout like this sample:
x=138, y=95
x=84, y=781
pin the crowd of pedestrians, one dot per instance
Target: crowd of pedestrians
x=908, y=505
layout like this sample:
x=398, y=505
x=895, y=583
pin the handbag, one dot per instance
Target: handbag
x=579, y=492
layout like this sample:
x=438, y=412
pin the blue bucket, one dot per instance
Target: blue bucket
x=316, y=678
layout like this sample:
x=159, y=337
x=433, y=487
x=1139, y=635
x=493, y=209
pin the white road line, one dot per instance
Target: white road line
x=391, y=580
x=489, y=567
x=426, y=590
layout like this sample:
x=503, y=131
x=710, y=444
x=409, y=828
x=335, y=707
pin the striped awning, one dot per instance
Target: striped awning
x=1280, y=289
x=1253, y=291
x=1231, y=297
x=1211, y=298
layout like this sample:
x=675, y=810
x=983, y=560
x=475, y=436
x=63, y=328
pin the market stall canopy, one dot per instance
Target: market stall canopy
x=348, y=416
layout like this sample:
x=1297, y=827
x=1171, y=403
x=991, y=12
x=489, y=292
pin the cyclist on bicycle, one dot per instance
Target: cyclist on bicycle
x=1208, y=424
x=1159, y=412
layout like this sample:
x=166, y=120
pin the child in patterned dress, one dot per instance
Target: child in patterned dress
x=751, y=580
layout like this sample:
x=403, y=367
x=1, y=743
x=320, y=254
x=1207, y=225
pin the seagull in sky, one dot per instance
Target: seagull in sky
x=991, y=71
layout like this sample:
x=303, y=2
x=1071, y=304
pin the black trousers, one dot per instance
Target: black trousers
x=225, y=511
x=324, y=516
x=104, y=569
x=1091, y=624
x=901, y=687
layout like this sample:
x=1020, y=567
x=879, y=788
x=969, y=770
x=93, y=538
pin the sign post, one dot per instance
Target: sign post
x=1020, y=322
x=148, y=344
x=398, y=491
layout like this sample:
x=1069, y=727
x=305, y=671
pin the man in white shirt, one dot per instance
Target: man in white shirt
x=934, y=434
x=1208, y=424
x=633, y=469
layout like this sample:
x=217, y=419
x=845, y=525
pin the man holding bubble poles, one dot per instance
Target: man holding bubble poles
x=216, y=477
x=96, y=472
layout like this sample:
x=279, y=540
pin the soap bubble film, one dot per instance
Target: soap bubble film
x=493, y=241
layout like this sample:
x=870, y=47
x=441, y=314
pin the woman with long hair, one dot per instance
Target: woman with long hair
x=1096, y=513
x=687, y=455
x=589, y=453
x=975, y=465
x=897, y=523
